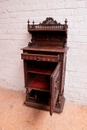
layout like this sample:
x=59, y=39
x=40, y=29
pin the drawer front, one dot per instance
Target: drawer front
x=39, y=57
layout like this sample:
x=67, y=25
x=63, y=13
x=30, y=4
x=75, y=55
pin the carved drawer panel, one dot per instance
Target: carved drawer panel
x=40, y=57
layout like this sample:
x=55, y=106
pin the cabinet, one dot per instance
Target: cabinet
x=44, y=65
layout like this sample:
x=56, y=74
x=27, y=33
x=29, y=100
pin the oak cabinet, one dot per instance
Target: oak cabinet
x=45, y=64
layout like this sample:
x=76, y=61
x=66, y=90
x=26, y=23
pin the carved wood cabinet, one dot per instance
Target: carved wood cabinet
x=44, y=65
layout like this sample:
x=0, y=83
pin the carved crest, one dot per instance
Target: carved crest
x=49, y=21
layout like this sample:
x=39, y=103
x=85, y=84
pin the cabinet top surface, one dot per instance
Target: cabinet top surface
x=46, y=49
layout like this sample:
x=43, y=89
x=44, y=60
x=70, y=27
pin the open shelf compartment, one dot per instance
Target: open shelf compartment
x=44, y=68
x=39, y=82
x=40, y=70
x=39, y=97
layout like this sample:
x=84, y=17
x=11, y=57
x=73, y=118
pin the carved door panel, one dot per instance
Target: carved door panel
x=54, y=87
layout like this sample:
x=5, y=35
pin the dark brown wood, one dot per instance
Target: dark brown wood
x=44, y=65
x=54, y=87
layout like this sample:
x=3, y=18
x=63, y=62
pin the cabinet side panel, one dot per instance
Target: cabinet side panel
x=25, y=73
x=63, y=72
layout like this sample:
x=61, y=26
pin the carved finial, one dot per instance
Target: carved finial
x=65, y=21
x=28, y=21
x=33, y=22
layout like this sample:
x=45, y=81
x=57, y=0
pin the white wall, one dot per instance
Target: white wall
x=13, y=36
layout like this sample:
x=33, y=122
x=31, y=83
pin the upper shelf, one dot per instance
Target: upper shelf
x=48, y=25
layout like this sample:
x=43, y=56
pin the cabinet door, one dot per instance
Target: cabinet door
x=54, y=87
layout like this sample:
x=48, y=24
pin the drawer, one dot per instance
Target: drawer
x=40, y=57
